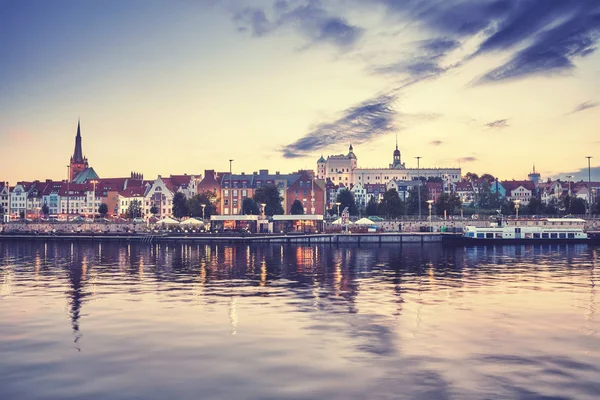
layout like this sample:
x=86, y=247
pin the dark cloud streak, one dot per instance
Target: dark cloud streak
x=372, y=118
x=552, y=34
x=584, y=106
x=498, y=124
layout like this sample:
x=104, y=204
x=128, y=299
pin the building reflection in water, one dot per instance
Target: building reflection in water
x=322, y=277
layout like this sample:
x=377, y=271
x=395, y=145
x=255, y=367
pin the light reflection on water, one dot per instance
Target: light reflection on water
x=108, y=321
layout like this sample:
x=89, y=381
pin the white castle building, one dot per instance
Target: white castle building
x=343, y=169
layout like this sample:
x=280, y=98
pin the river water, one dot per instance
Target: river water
x=118, y=321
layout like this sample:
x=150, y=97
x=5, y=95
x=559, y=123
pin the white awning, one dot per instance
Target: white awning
x=364, y=221
x=168, y=221
x=191, y=221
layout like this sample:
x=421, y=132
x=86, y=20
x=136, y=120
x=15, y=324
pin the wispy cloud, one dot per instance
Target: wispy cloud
x=374, y=117
x=426, y=63
x=436, y=143
x=498, y=124
x=308, y=17
x=464, y=160
x=584, y=106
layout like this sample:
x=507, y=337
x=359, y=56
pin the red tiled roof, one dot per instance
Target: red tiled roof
x=509, y=186
x=135, y=191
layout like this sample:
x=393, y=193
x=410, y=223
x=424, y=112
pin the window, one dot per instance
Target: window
x=545, y=236
x=562, y=235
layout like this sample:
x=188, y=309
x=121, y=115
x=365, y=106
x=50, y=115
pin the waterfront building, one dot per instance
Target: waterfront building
x=5, y=197
x=160, y=195
x=309, y=191
x=18, y=198
x=465, y=191
x=131, y=194
x=360, y=195
x=211, y=184
x=344, y=169
x=519, y=190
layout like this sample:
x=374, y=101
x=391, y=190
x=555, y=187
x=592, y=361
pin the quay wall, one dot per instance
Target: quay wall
x=351, y=239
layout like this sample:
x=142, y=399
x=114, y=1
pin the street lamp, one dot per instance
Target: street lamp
x=202, y=205
x=569, y=182
x=517, y=204
x=419, y=187
x=430, y=203
x=338, y=208
x=262, y=207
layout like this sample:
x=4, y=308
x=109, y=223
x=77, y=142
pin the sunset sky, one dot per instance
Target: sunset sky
x=183, y=86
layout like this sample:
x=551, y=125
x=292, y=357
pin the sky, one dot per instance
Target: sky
x=179, y=87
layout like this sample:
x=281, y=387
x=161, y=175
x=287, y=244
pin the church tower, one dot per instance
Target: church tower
x=78, y=161
x=397, y=163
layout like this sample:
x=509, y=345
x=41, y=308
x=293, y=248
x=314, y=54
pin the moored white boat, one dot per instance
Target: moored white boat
x=545, y=229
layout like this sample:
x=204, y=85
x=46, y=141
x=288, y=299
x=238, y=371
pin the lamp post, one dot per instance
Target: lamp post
x=592, y=200
x=262, y=207
x=569, y=183
x=338, y=209
x=430, y=203
x=230, y=190
x=517, y=204
x=202, y=205
x=419, y=185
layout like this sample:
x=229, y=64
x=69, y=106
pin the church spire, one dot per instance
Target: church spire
x=78, y=153
x=396, y=141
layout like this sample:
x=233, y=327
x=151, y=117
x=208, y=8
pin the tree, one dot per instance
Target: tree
x=154, y=210
x=595, y=207
x=269, y=195
x=346, y=199
x=391, y=205
x=535, y=206
x=208, y=199
x=471, y=176
x=412, y=203
x=180, y=205
x=250, y=207
x=372, y=207
x=297, y=208
x=507, y=207
x=486, y=198
x=447, y=202
x=488, y=178
x=552, y=207
x=45, y=209
x=578, y=206
x=103, y=209
x=135, y=209
x=435, y=179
